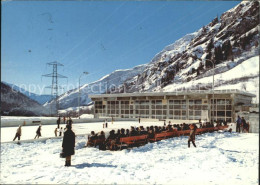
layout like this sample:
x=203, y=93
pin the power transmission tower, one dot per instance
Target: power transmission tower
x=54, y=87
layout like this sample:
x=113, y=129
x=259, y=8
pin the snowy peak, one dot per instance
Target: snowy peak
x=231, y=39
x=177, y=47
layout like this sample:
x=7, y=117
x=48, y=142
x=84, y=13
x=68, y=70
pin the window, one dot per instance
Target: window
x=222, y=109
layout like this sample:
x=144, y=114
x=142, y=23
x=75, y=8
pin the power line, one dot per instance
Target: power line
x=54, y=87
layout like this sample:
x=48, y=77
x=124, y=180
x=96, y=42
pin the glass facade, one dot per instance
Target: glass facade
x=176, y=109
x=113, y=108
x=159, y=109
x=142, y=108
x=195, y=109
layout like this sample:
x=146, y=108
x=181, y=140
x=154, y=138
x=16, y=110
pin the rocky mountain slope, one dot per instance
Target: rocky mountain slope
x=231, y=42
x=17, y=104
x=41, y=99
x=227, y=42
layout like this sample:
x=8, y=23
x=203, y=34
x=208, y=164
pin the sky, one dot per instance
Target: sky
x=98, y=37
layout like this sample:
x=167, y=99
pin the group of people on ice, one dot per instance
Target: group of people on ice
x=67, y=121
x=18, y=133
x=58, y=131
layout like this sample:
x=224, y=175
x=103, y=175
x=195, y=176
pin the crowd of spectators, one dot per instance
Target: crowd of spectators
x=114, y=136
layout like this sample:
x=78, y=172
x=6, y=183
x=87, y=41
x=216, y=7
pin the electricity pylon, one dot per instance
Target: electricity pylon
x=54, y=87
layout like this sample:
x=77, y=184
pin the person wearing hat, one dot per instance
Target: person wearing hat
x=38, y=132
x=68, y=145
x=193, y=128
x=18, y=133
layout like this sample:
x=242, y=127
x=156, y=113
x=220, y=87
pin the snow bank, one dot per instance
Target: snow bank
x=220, y=158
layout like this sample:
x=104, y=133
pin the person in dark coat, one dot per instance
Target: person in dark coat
x=111, y=140
x=193, y=129
x=68, y=145
x=58, y=122
x=93, y=136
x=70, y=122
x=239, y=121
x=38, y=132
x=244, y=124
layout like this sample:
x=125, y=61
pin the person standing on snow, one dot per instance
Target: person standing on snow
x=18, y=133
x=193, y=129
x=244, y=124
x=38, y=132
x=239, y=121
x=68, y=145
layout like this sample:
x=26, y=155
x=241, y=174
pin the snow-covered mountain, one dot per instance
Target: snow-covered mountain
x=231, y=42
x=41, y=99
x=15, y=103
x=110, y=81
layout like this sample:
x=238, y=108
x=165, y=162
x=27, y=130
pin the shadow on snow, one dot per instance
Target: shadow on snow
x=88, y=165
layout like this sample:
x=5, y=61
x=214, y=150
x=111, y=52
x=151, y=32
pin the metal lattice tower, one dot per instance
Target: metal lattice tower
x=54, y=87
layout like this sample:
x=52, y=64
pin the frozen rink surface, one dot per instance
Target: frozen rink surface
x=29, y=132
x=220, y=158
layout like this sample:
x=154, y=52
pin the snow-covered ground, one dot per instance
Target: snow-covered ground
x=220, y=158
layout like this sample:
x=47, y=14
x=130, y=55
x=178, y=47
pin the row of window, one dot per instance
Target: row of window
x=177, y=108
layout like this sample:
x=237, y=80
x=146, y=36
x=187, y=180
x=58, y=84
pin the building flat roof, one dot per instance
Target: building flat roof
x=185, y=92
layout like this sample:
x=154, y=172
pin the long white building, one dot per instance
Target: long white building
x=221, y=105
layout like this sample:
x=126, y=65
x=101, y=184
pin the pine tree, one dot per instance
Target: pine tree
x=218, y=54
x=210, y=45
x=208, y=64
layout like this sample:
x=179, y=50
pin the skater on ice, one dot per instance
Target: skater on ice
x=56, y=132
x=18, y=133
x=64, y=120
x=61, y=131
x=58, y=122
x=69, y=121
x=38, y=132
